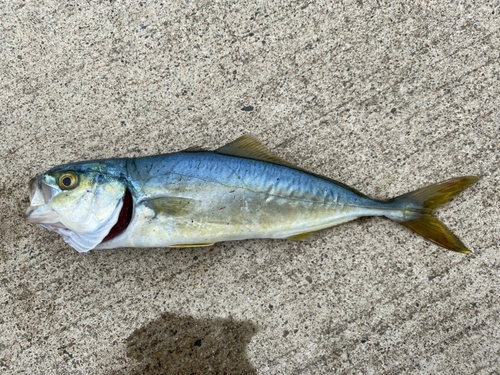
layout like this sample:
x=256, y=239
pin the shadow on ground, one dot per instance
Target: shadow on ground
x=175, y=344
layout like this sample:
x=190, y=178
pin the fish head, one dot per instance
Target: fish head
x=81, y=202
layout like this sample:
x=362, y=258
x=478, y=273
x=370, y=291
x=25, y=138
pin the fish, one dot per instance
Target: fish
x=198, y=197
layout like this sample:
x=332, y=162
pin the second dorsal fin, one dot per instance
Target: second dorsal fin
x=248, y=147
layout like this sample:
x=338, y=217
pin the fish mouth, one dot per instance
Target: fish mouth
x=40, y=194
x=124, y=218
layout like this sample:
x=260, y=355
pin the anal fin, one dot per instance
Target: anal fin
x=302, y=236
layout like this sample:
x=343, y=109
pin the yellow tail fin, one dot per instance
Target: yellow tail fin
x=423, y=201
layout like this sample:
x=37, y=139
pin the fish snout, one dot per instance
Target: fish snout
x=40, y=194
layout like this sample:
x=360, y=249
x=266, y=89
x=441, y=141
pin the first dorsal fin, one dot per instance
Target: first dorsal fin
x=194, y=149
x=248, y=147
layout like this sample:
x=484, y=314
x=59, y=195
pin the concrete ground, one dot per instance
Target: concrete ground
x=384, y=96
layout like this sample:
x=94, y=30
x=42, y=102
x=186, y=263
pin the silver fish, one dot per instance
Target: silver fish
x=197, y=198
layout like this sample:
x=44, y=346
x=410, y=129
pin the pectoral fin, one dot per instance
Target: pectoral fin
x=170, y=206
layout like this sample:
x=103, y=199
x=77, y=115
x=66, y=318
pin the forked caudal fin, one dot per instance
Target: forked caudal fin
x=418, y=206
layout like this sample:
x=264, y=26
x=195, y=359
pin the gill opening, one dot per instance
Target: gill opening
x=124, y=218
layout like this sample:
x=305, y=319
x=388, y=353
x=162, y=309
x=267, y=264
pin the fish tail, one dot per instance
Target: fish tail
x=418, y=206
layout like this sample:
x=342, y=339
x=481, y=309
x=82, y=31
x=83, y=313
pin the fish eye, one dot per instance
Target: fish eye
x=68, y=180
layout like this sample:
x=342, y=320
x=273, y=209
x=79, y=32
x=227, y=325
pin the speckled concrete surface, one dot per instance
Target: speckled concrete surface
x=385, y=97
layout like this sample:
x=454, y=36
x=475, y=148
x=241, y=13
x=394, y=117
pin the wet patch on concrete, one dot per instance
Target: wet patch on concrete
x=175, y=344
